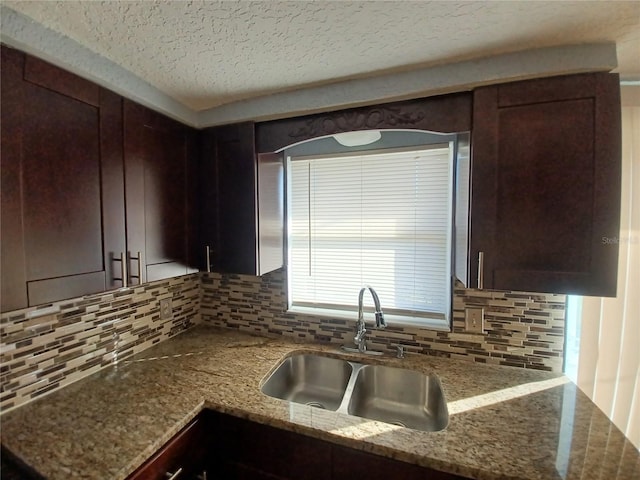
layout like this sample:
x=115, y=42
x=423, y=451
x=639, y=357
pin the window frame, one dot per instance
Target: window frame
x=405, y=317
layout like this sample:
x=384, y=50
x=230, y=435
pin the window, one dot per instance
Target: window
x=379, y=218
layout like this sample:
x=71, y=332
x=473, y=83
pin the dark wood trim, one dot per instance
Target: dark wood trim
x=443, y=114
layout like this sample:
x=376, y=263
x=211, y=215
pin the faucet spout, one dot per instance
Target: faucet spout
x=380, y=322
x=361, y=331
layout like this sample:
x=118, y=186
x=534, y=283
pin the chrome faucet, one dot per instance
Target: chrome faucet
x=361, y=331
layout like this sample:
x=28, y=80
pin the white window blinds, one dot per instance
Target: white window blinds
x=380, y=219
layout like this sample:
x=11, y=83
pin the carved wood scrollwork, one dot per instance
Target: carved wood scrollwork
x=445, y=113
x=359, y=120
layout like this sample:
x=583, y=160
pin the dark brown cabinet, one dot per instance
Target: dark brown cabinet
x=242, y=217
x=256, y=451
x=348, y=464
x=87, y=175
x=237, y=449
x=159, y=156
x=545, y=187
x=62, y=184
x=69, y=147
x=184, y=456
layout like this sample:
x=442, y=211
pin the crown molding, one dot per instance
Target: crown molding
x=21, y=32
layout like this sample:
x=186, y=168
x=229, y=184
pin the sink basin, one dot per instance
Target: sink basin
x=375, y=392
x=311, y=380
x=400, y=397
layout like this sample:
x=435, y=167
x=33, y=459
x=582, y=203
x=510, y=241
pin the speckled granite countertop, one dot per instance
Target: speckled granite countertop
x=504, y=422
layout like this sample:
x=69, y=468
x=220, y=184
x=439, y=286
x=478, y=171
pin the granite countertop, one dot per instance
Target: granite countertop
x=504, y=423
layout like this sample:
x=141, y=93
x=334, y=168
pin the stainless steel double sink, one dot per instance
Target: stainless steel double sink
x=377, y=392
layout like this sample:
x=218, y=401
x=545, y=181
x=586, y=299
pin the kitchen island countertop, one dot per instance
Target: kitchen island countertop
x=504, y=423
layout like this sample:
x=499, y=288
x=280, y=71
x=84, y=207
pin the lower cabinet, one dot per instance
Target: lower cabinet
x=256, y=451
x=11, y=468
x=217, y=445
x=183, y=457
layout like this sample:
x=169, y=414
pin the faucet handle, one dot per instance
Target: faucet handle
x=399, y=351
x=380, y=322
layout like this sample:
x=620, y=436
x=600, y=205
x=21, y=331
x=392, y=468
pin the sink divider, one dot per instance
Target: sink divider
x=346, y=396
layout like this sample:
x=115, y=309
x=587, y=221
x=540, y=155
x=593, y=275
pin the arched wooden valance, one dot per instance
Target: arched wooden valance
x=444, y=113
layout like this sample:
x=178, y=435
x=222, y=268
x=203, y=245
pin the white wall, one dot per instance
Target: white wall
x=609, y=361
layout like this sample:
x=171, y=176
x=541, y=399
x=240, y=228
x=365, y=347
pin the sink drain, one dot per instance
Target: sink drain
x=315, y=404
x=398, y=423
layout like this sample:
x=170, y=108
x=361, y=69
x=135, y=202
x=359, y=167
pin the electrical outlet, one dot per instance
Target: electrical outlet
x=474, y=320
x=166, y=311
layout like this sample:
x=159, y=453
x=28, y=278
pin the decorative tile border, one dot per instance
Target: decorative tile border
x=47, y=347
x=522, y=329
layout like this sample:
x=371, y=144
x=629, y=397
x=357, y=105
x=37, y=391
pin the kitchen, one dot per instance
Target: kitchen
x=58, y=342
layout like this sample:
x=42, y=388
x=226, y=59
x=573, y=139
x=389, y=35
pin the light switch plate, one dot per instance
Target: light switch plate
x=474, y=320
x=166, y=311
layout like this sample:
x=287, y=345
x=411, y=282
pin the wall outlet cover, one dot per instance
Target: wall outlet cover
x=166, y=310
x=474, y=320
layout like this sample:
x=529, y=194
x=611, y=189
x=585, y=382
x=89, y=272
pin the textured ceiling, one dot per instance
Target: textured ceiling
x=205, y=54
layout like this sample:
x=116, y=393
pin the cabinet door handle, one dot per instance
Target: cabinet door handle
x=139, y=267
x=208, y=249
x=139, y=260
x=125, y=273
x=173, y=476
x=480, y=269
x=123, y=268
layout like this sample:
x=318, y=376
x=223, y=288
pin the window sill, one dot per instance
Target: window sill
x=392, y=320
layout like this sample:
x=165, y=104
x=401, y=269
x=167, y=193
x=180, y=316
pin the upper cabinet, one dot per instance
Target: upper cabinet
x=537, y=196
x=545, y=187
x=242, y=216
x=65, y=224
x=62, y=184
x=160, y=167
x=88, y=179
x=242, y=180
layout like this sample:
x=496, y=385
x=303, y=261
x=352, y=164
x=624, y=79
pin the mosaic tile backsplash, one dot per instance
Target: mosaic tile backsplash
x=522, y=329
x=47, y=347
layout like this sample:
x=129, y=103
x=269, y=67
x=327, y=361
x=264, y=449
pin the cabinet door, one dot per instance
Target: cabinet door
x=236, y=250
x=62, y=216
x=253, y=450
x=545, y=193
x=158, y=155
x=185, y=453
x=348, y=464
x=243, y=202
